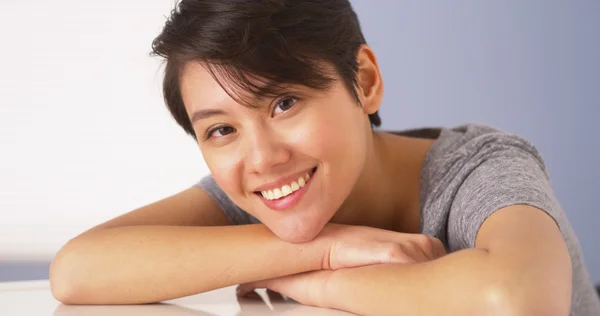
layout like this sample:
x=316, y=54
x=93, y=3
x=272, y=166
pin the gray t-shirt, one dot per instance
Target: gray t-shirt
x=470, y=172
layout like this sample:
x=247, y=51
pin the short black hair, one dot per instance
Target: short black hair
x=278, y=42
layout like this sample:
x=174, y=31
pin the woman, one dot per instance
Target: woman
x=307, y=198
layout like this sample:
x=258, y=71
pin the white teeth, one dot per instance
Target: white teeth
x=295, y=186
x=286, y=189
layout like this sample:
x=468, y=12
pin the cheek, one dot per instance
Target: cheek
x=337, y=140
x=313, y=137
x=224, y=169
x=333, y=136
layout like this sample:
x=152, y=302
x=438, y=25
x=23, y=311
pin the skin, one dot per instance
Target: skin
x=324, y=129
x=371, y=179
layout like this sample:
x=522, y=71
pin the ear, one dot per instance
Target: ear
x=370, y=83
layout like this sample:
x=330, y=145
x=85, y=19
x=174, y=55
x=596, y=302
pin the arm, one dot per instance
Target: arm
x=184, y=245
x=172, y=248
x=142, y=264
x=520, y=266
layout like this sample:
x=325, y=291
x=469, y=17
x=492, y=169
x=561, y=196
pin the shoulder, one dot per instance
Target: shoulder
x=460, y=149
x=471, y=139
x=473, y=170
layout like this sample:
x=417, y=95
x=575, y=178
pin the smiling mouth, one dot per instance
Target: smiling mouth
x=287, y=189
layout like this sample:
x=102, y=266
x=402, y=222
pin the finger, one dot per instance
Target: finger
x=422, y=255
x=246, y=289
x=391, y=252
x=414, y=251
x=424, y=247
x=253, y=305
x=275, y=296
x=394, y=236
x=438, y=248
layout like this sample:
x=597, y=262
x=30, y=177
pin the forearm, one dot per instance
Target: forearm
x=141, y=264
x=461, y=283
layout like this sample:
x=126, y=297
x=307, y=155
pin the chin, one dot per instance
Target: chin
x=297, y=238
x=297, y=231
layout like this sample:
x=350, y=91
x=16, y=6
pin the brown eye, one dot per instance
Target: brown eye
x=220, y=131
x=284, y=105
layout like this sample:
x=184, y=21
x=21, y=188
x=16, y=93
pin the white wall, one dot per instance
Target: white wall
x=84, y=133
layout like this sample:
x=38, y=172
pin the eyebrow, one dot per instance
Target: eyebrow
x=206, y=113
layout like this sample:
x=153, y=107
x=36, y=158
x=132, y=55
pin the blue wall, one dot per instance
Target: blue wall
x=527, y=67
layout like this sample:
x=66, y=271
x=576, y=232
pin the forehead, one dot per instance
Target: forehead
x=199, y=87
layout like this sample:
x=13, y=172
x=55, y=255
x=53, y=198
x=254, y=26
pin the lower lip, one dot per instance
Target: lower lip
x=289, y=201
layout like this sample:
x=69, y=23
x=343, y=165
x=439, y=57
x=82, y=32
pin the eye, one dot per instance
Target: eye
x=284, y=105
x=220, y=131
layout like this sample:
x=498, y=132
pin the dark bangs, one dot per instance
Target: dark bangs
x=260, y=47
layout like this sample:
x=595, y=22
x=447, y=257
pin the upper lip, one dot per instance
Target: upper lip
x=282, y=181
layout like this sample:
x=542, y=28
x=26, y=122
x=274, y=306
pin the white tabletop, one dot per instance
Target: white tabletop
x=35, y=298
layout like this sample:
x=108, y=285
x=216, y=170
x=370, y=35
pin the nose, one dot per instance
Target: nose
x=265, y=149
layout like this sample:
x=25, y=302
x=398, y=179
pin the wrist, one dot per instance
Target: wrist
x=321, y=246
x=319, y=253
x=328, y=290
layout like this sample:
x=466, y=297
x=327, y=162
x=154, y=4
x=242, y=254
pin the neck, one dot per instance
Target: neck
x=386, y=194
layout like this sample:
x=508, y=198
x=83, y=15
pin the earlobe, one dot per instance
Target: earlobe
x=370, y=83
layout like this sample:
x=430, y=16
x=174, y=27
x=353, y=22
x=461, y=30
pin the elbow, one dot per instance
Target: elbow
x=62, y=294
x=514, y=301
x=62, y=280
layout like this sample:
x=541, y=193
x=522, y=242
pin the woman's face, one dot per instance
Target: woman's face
x=291, y=162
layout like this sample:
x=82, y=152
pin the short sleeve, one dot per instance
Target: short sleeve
x=236, y=215
x=507, y=172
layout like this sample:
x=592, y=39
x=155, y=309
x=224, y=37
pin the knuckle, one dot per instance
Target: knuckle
x=439, y=246
x=425, y=244
x=394, y=251
x=422, y=239
x=436, y=242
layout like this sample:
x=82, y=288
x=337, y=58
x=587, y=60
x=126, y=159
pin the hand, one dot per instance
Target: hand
x=307, y=288
x=350, y=246
x=273, y=303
